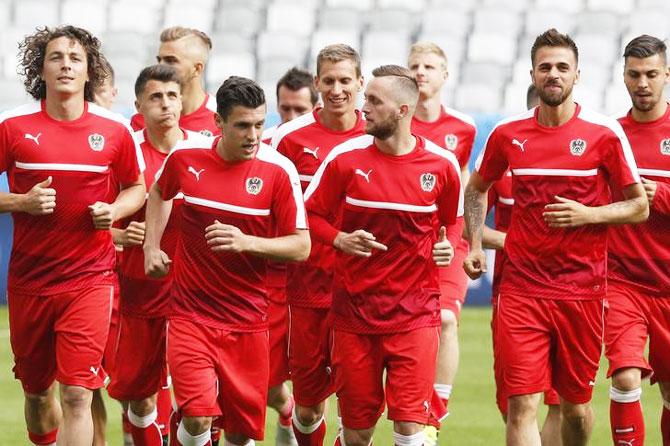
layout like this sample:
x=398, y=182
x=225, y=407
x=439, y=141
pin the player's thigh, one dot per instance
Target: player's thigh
x=454, y=282
x=278, y=321
x=659, y=338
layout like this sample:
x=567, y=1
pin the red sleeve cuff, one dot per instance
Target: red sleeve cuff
x=321, y=230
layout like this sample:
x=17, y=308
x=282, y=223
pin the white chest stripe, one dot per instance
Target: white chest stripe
x=507, y=201
x=390, y=206
x=655, y=172
x=226, y=206
x=556, y=172
x=62, y=167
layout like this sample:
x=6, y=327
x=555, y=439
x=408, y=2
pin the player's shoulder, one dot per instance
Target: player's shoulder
x=349, y=147
x=195, y=140
x=514, y=122
x=294, y=125
x=109, y=116
x=268, y=154
x=440, y=153
x=460, y=116
x=22, y=110
x=600, y=121
x=210, y=103
x=268, y=134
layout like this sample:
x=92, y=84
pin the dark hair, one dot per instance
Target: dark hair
x=109, y=70
x=32, y=51
x=238, y=91
x=159, y=72
x=553, y=38
x=645, y=46
x=296, y=79
x=532, y=96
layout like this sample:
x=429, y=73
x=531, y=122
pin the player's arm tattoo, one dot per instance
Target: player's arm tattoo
x=475, y=210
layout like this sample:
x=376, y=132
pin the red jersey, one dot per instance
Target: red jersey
x=261, y=197
x=62, y=251
x=201, y=120
x=396, y=198
x=143, y=296
x=307, y=142
x=639, y=255
x=268, y=134
x=453, y=130
x=500, y=198
x=575, y=161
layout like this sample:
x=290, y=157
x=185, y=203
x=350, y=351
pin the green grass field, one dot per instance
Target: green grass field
x=474, y=419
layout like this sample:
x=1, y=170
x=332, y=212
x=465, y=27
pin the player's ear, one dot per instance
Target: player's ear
x=218, y=120
x=403, y=111
x=577, y=76
x=137, y=105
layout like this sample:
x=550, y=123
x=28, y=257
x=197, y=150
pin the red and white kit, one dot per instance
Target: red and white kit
x=307, y=142
x=200, y=121
x=145, y=302
x=61, y=267
x=638, y=294
x=554, y=280
x=220, y=299
x=385, y=305
x=454, y=131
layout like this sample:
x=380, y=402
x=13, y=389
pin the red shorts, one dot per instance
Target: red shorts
x=549, y=343
x=60, y=337
x=140, y=358
x=220, y=373
x=359, y=362
x=110, y=348
x=454, y=281
x=278, y=319
x=551, y=397
x=310, y=335
x=632, y=317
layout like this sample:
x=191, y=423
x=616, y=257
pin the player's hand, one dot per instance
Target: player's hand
x=650, y=190
x=156, y=262
x=358, y=243
x=475, y=264
x=133, y=235
x=443, y=252
x=566, y=213
x=102, y=214
x=226, y=238
x=41, y=199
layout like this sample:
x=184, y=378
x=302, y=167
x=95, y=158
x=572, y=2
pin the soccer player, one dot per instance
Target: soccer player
x=306, y=141
x=500, y=198
x=638, y=291
x=218, y=332
x=453, y=131
x=395, y=193
x=105, y=94
x=296, y=95
x=141, y=361
x=59, y=153
x=187, y=50
x=550, y=302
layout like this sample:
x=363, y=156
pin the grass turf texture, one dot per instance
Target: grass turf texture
x=474, y=418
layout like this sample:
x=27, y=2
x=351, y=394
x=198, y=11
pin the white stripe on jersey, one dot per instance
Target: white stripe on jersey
x=104, y=113
x=22, y=110
x=390, y=206
x=291, y=126
x=520, y=117
x=556, y=172
x=612, y=124
x=268, y=154
x=507, y=201
x=357, y=143
x=226, y=206
x=655, y=172
x=437, y=150
x=462, y=116
x=211, y=103
x=306, y=178
x=62, y=167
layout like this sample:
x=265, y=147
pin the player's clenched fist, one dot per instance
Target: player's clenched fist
x=133, y=235
x=41, y=199
x=156, y=262
x=102, y=214
x=221, y=237
x=475, y=264
x=358, y=243
x=443, y=252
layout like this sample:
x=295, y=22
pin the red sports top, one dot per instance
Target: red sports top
x=575, y=161
x=396, y=198
x=142, y=296
x=201, y=120
x=307, y=142
x=639, y=255
x=63, y=251
x=500, y=198
x=261, y=197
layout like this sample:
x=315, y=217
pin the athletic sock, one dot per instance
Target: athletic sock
x=186, y=439
x=444, y=393
x=144, y=429
x=249, y=442
x=408, y=440
x=665, y=423
x=164, y=408
x=48, y=439
x=626, y=420
x=175, y=420
x=309, y=435
x=286, y=412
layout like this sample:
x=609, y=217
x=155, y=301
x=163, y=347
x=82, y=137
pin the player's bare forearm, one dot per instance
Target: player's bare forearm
x=634, y=209
x=475, y=212
x=156, y=218
x=130, y=199
x=492, y=238
x=293, y=247
x=10, y=202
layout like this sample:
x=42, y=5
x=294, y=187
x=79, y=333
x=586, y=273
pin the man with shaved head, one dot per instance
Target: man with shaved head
x=187, y=51
x=394, y=193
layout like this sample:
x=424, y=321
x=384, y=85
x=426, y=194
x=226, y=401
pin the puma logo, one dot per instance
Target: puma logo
x=624, y=442
x=195, y=172
x=34, y=138
x=363, y=174
x=94, y=370
x=520, y=144
x=311, y=152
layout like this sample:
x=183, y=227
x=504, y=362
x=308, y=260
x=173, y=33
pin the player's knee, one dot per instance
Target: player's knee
x=41, y=399
x=143, y=407
x=358, y=437
x=627, y=379
x=664, y=387
x=238, y=439
x=196, y=425
x=308, y=415
x=522, y=408
x=75, y=398
x=277, y=397
x=577, y=416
